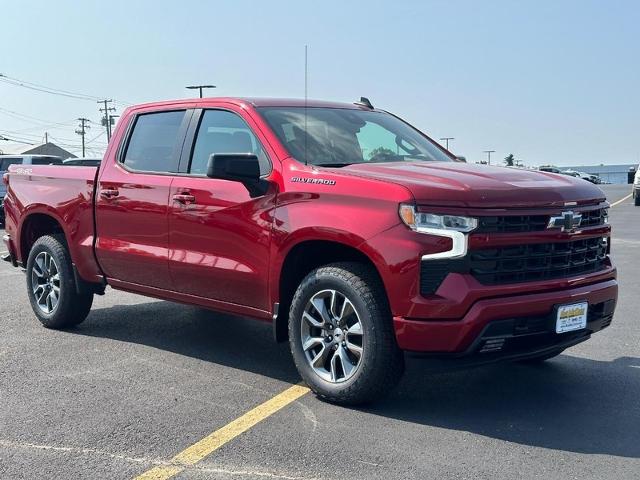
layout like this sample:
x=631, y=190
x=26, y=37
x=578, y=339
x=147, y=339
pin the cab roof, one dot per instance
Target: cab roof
x=255, y=102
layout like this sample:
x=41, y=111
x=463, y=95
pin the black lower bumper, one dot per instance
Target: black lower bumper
x=525, y=337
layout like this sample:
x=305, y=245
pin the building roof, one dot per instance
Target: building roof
x=39, y=149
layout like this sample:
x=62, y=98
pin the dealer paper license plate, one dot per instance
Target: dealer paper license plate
x=571, y=317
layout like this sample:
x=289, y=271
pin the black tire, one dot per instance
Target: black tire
x=541, y=358
x=636, y=198
x=71, y=308
x=381, y=364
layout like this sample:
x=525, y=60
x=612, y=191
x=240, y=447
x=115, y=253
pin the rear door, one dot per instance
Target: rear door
x=133, y=197
x=219, y=232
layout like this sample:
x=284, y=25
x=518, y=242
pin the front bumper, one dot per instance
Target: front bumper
x=512, y=325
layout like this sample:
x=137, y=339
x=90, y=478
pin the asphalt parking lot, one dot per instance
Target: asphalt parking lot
x=141, y=380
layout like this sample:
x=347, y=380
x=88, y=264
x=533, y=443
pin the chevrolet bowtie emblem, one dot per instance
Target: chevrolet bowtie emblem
x=566, y=222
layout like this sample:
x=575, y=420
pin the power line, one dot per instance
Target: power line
x=91, y=140
x=53, y=91
x=30, y=119
x=44, y=89
x=32, y=137
x=9, y=139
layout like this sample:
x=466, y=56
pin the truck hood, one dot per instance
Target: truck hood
x=458, y=184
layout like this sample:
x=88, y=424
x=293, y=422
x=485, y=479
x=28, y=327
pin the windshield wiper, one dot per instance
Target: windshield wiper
x=337, y=165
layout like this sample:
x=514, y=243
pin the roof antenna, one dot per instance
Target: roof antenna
x=364, y=102
x=306, y=134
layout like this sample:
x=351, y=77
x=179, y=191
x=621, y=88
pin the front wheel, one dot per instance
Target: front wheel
x=51, y=285
x=341, y=334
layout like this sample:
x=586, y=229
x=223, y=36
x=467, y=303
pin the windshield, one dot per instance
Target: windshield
x=337, y=137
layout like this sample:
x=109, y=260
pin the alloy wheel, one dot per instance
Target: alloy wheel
x=45, y=282
x=332, y=336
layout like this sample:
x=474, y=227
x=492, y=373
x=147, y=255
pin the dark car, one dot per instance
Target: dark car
x=6, y=160
x=83, y=162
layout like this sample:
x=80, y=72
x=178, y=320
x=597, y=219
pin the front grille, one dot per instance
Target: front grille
x=535, y=262
x=533, y=223
x=513, y=223
x=593, y=218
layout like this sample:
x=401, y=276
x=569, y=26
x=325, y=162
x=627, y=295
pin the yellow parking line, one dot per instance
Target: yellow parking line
x=217, y=439
x=621, y=200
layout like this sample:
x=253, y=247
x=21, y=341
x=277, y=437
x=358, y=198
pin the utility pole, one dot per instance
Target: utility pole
x=489, y=152
x=106, y=120
x=83, y=130
x=446, y=139
x=199, y=87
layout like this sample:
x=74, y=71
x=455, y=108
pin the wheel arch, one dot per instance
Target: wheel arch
x=300, y=259
x=35, y=225
x=39, y=224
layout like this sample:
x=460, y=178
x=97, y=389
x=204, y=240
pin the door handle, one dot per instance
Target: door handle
x=184, y=198
x=109, y=192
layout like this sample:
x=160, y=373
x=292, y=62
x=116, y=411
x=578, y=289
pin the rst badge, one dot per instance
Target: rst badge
x=566, y=222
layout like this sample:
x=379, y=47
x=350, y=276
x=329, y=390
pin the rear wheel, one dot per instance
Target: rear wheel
x=341, y=334
x=51, y=285
x=636, y=197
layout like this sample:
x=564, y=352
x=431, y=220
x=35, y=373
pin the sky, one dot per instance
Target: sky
x=553, y=82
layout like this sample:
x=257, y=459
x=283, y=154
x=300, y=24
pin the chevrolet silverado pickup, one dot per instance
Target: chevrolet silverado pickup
x=358, y=237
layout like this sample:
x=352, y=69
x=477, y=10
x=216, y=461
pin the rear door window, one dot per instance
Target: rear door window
x=154, y=143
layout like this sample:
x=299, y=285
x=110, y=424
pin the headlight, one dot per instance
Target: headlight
x=423, y=222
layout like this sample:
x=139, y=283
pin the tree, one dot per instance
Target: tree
x=510, y=160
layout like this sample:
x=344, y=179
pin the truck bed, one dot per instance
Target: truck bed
x=65, y=193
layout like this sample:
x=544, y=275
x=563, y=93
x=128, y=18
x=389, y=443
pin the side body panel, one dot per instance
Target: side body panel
x=131, y=212
x=219, y=240
x=132, y=239
x=64, y=194
x=344, y=209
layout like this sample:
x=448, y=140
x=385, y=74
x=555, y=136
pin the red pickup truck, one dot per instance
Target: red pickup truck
x=351, y=231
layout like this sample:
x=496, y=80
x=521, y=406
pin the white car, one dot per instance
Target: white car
x=636, y=187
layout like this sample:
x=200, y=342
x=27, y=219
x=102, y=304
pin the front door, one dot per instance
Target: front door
x=133, y=200
x=219, y=233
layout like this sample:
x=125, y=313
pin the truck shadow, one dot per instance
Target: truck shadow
x=569, y=404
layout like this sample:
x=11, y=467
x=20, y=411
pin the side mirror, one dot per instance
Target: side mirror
x=239, y=167
x=462, y=159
